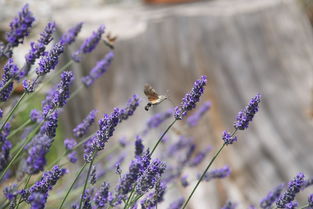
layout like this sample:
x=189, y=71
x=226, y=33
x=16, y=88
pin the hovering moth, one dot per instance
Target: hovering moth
x=110, y=40
x=153, y=97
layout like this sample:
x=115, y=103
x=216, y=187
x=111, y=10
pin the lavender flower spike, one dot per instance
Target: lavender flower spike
x=38, y=193
x=50, y=61
x=294, y=187
x=37, y=150
x=103, y=196
x=81, y=129
x=229, y=205
x=193, y=119
x=271, y=197
x=129, y=110
x=38, y=49
x=153, y=198
x=5, y=147
x=246, y=115
x=89, y=44
x=20, y=27
x=150, y=176
x=217, y=173
x=228, y=138
x=70, y=36
x=190, y=99
x=10, y=73
x=97, y=71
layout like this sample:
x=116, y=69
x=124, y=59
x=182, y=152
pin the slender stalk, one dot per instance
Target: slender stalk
x=26, y=123
x=71, y=187
x=29, y=137
x=160, y=139
x=130, y=197
x=12, y=111
x=25, y=186
x=6, y=84
x=86, y=181
x=203, y=174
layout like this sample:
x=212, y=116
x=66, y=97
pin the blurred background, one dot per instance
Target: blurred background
x=243, y=46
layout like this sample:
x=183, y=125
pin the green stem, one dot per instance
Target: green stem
x=86, y=181
x=69, y=190
x=26, y=123
x=160, y=139
x=29, y=137
x=25, y=186
x=203, y=174
x=129, y=198
x=12, y=111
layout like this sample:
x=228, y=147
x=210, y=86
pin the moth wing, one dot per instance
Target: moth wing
x=151, y=94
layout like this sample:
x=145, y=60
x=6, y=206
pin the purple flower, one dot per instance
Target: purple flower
x=90, y=147
x=193, y=119
x=136, y=169
x=190, y=99
x=246, y=115
x=70, y=144
x=50, y=125
x=28, y=86
x=89, y=44
x=294, y=187
x=229, y=205
x=10, y=192
x=271, y=197
x=70, y=36
x=139, y=147
x=81, y=129
x=37, y=150
x=217, y=173
x=129, y=110
x=72, y=157
x=155, y=197
x=37, y=200
x=103, y=196
x=38, y=49
x=50, y=60
x=310, y=200
x=97, y=71
x=1, y=113
x=5, y=147
x=20, y=27
x=228, y=138
x=107, y=126
x=47, y=181
x=190, y=150
x=10, y=73
x=291, y=205
x=150, y=176
x=177, y=204
x=57, y=97
x=184, y=181
x=123, y=141
x=199, y=157
x=87, y=199
x=35, y=116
